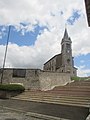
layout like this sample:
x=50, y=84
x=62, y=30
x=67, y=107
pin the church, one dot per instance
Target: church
x=56, y=72
x=63, y=62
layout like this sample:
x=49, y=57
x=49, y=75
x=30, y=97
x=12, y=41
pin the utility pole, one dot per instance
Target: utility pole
x=5, y=54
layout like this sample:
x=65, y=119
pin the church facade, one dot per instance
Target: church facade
x=63, y=62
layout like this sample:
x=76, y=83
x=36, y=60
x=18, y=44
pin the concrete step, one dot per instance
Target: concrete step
x=52, y=95
x=57, y=98
x=62, y=100
x=57, y=93
x=76, y=88
x=83, y=95
x=78, y=93
x=59, y=101
x=80, y=101
x=80, y=83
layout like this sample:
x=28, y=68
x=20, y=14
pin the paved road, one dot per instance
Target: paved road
x=62, y=111
x=7, y=114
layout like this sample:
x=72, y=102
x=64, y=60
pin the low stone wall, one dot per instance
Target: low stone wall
x=48, y=80
x=30, y=81
x=36, y=79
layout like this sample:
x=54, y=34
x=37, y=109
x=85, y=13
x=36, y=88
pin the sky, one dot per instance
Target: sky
x=37, y=28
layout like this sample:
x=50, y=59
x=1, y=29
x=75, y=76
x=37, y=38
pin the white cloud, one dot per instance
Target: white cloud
x=30, y=11
x=30, y=56
x=83, y=72
x=48, y=43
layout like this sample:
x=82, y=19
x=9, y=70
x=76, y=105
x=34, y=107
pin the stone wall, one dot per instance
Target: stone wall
x=36, y=79
x=30, y=81
x=49, y=80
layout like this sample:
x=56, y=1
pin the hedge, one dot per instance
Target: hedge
x=12, y=87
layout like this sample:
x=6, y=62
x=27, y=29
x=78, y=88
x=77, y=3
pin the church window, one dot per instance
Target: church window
x=62, y=47
x=68, y=46
x=19, y=73
x=68, y=61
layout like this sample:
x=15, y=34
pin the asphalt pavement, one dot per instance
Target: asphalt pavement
x=62, y=111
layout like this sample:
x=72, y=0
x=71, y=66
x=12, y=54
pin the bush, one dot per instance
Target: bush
x=12, y=87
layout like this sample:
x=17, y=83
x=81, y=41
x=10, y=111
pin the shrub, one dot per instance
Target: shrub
x=12, y=87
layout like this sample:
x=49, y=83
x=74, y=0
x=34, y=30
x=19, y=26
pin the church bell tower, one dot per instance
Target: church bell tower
x=66, y=51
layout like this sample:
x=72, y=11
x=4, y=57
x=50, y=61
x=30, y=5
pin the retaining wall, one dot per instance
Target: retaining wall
x=48, y=80
x=36, y=78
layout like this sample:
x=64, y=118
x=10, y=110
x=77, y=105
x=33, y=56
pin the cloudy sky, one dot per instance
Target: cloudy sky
x=37, y=30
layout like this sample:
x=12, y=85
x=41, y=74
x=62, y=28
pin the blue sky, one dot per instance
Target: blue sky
x=21, y=37
x=83, y=62
x=75, y=16
x=36, y=32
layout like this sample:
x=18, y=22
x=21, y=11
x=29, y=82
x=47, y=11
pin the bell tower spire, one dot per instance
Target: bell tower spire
x=66, y=51
x=65, y=34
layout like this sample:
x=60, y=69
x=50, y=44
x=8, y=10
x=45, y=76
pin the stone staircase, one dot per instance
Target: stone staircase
x=76, y=93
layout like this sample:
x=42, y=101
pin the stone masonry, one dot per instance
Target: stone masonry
x=35, y=79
